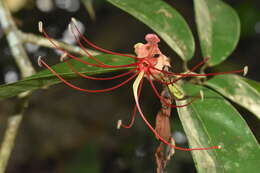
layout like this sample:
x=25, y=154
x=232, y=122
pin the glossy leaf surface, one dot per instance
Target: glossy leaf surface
x=218, y=27
x=164, y=20
x=212, y=122
x=46, y=78
x=238, y=90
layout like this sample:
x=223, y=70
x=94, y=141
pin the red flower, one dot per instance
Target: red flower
x=150, y=63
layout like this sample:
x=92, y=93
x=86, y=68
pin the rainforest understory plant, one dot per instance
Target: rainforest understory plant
x=219, y=138
x=150, y=63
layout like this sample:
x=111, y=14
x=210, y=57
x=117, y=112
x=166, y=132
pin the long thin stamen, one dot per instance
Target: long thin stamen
x=78, y=59
x=134, y=111
x=135, y=88
x=83, y=48
x=244, y=70
x=174, y=81
x=81, y=89
x=132, y=119
x=74, y=22
x=99, y=78
x=190, y=75
x=164, y=100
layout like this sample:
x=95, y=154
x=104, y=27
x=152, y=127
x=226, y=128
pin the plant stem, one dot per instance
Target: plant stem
x=11, y=132
x=23, y=62
x=8, y=141
x=42, y=41
x=14, y=41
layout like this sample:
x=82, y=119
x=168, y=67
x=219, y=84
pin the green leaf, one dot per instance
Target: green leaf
x=218, y=27
x=164, y=20
x=212, y=122
x=46, y=78
x=238, y=90
x=254, y=84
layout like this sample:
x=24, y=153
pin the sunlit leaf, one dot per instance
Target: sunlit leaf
x=218, y=27
x=254, y=84
x=212, y=122
x=164, y=20
x=46, y=78
x=238, y=90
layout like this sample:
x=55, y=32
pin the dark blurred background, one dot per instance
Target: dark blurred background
x=67, y=131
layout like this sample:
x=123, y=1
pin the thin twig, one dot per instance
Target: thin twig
x=8, y=141
x=11, y=132
x=14, y=41
x=42, y=41
x=26, y=69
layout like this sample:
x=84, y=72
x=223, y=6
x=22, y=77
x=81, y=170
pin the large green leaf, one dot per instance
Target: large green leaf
x=218, y=27
x=164, y=20
x=46, y=78
x=214, y=121
x=254, y=84
x=238, y=90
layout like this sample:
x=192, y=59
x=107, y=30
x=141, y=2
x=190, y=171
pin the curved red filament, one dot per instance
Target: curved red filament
x=134, y=111
x=164, y=140
x=142, y=65
x=99, y=48
x=84, y=49
x=164, y=100
x=99, y=78
x=78, y=59
x=192, y=74
x=82, y=89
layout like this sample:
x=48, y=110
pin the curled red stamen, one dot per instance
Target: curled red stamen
x=164, y=140
x=164, y=100
x=95, y=46
x=78, y=59
x=98, y=78
x=175, y=80
x=192, y=74
x=83, y=48
x=82, y=89
x=134, y=111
